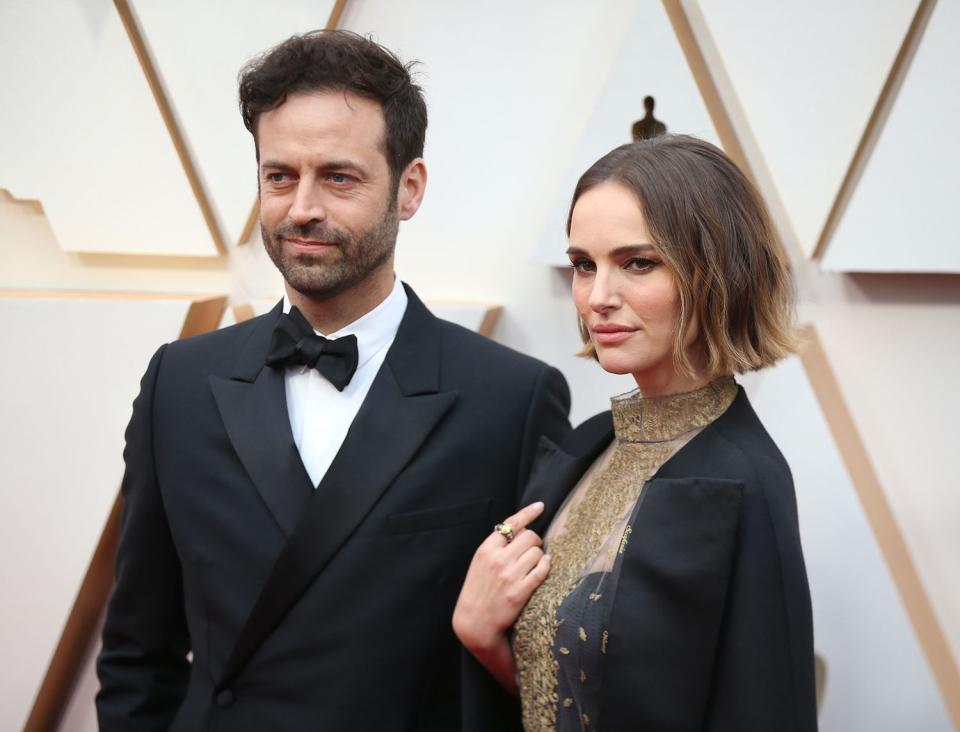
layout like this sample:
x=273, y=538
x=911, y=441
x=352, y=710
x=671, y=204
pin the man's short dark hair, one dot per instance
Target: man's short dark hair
x=336, y=60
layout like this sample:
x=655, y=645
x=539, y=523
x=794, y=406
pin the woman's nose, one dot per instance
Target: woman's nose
x=604, y=295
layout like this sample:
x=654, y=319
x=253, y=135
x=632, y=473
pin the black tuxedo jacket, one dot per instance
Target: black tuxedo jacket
x=305, y=609
x=711, y=627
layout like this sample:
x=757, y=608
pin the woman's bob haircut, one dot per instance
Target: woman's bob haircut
x=713, y=231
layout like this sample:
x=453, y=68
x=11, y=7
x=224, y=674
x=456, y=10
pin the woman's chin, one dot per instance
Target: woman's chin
x=614, y=363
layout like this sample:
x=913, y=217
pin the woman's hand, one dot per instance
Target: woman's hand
x=501, y=578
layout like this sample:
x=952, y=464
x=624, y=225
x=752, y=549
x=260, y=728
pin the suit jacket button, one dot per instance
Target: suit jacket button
x=225, y=698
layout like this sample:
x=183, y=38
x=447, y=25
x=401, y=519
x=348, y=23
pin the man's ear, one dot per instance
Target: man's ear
x=413, y=182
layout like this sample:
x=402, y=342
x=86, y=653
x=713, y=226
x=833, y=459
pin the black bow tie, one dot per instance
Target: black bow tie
x=294, y=343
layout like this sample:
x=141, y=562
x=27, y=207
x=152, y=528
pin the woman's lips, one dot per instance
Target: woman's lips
x=610, y=335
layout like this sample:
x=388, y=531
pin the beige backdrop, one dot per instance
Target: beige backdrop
x=838, y=110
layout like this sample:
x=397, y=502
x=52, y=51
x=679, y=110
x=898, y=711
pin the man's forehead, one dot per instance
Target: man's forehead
x=332, y=119
x=324, y=108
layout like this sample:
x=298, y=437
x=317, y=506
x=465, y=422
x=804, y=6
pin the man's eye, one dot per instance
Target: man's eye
x=276, y=177
x=339, y=178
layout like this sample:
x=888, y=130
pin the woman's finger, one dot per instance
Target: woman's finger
x=526, y=562
x=522, y=518
x=523, y=541
x=502, y=560
x=535, y=576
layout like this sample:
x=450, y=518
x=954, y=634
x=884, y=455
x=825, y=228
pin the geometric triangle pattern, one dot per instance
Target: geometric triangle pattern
x=83, y=135
x=807, y=76
x=862, y=631
x=901, y=216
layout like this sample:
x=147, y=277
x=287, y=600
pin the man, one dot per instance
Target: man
x=299, y=511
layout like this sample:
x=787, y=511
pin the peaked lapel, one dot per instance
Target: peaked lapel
x=402, y=408
x=558, y=467
x=253, y=406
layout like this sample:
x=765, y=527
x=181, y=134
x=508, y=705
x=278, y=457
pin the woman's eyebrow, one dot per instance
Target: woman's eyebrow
x=642, y=248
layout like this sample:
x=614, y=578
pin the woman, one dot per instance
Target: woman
x=669, y=592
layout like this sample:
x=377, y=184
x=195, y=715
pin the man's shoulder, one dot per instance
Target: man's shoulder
x=463, y=346
x=220, y=346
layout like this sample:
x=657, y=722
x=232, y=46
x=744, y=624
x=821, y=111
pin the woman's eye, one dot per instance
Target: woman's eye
x=582, y=266
x=640, y=264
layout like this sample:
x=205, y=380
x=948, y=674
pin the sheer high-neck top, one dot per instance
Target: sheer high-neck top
x=561, y=636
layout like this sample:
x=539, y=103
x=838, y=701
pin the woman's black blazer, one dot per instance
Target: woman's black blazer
x=710, y=629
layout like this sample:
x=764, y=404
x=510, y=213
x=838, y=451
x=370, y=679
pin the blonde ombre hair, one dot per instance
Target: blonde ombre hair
x=714, y=234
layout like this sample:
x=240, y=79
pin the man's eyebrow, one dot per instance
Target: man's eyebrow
x=619, y=251
x=344, y=165
x=326, y=166
x=275, y=164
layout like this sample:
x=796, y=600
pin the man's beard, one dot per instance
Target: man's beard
x=351, y=259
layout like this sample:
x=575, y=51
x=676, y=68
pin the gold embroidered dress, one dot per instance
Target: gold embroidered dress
x=561, y=635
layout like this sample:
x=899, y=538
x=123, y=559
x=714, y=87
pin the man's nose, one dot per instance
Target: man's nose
x=307, y=204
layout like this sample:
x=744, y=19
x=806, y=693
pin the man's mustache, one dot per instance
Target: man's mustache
x=318, y=230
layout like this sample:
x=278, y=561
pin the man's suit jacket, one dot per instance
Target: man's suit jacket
x=305, y=609
x=710, y=629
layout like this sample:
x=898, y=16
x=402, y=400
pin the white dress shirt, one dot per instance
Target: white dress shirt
x=319, y=414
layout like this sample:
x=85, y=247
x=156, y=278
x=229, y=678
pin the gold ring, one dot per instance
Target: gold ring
x=505, y=530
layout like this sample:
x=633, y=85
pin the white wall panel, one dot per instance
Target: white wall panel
x=32, y=259
x=897, y=365
x=648, y=62
x=81, y=713
x=515, y=91
x=69, y=373
x=902, y=215
x=82, y=133
x=807, y=75
x=877, y=675
x=203, y=88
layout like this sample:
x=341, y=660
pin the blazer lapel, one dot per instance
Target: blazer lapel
x=666, y=615
x=403, y=407
x=253, y=406
x=557, y=468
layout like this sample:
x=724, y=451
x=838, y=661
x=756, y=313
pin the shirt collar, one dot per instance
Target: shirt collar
x=375, y=329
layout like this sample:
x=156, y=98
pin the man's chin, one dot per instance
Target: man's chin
x=316, y=289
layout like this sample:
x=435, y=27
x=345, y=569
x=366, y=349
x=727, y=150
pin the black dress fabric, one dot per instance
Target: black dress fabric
x=578, y=647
